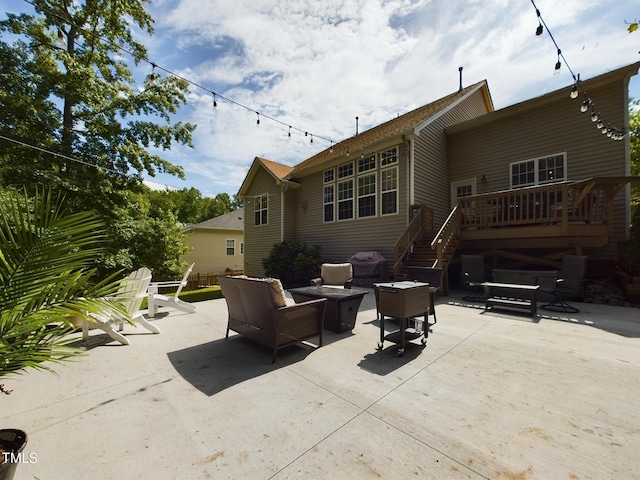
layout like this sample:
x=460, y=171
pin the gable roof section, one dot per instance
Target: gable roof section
x=618, y=75
x=229, y=221
x=278, y=171
x=403, y=125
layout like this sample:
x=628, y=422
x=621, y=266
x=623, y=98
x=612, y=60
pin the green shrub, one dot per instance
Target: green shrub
x=192, y=296
x=294, y=263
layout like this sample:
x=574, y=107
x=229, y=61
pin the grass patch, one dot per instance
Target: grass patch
x=200, y=295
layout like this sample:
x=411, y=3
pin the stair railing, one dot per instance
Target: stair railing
x=413, y=233
x=444, y=240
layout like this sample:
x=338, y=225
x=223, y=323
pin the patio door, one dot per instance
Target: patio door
x=462, y=188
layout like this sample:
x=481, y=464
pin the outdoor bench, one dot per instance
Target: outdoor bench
x=511, y=295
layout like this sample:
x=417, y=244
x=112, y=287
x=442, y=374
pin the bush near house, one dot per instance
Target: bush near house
x=293, y=262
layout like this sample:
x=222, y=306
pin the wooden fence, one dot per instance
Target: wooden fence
x=201, y=280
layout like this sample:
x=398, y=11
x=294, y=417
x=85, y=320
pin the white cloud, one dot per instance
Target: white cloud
x=317, y=65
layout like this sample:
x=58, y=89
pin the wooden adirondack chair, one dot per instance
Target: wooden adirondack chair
x=155, y=299
x=131, y=292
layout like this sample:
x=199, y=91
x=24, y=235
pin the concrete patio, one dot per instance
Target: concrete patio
x=492, y=395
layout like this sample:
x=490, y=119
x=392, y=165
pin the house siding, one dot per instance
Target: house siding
x=209, y=251
x=339, y=240
x=260, y=238
x=431, y=170
x=556, y=126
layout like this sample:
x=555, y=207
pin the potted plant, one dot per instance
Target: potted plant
x=46, y=276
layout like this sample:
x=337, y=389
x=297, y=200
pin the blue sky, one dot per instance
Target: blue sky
x=317, y=64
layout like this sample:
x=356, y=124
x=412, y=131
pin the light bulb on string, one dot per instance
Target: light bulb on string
x=215, y=104
x=599, y=125
x=585, y=105
x=311, y=141
x=558, y=66
x=574, y=91
x=289, y=131
x=594, y=116
x=540, y=28
x=331, y=147
x=258, y=121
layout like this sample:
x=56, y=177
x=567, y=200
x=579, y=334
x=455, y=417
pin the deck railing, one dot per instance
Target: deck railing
x=559, y=203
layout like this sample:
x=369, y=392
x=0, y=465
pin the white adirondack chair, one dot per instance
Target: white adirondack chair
x=132, y=291
x=155, y=299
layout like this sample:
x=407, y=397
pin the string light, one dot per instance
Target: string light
x=258, y=121
x=215, y=104
x=576, y=89
x=88, y=33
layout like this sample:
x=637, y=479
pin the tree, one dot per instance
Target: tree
x=68, y=89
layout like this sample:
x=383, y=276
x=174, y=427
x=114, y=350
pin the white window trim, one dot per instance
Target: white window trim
x=536, y=170
x=367, y=173
x=352, y=199
x=266, y=208
x=397, y=189
x=333, y=203
x=233, y=242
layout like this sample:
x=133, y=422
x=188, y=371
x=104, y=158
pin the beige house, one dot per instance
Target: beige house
x=217, y=244
x=527, y=183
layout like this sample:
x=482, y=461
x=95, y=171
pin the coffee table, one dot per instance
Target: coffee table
x=342, y=305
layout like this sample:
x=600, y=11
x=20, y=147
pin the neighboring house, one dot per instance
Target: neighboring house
x=217, y=244
x=529, y=182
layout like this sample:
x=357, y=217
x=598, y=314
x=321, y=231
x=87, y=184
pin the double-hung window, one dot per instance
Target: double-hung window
x=231, y=246
x=389, y=190
x=328, y=199
x=345, y=191
x=538, y=171
x=261, y=209
x=367, y=186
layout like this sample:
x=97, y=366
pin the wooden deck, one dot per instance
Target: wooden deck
x=558, y=215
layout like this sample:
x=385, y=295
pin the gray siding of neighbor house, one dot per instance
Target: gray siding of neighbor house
x=431, y=177
x=260, y=238
x=339, y=240
x=550, y=126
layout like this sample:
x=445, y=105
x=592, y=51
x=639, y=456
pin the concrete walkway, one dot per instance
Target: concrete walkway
x=492, y=395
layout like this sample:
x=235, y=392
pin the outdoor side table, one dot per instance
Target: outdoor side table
x=342, y=305
x=403, y=300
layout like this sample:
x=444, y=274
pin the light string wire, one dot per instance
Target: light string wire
x=190, y=82
x=601, y=124
x=60, y=155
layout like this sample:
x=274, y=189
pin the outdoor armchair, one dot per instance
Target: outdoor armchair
x=335, y=275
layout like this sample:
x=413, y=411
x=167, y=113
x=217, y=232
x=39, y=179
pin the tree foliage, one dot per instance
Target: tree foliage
x=68, y=88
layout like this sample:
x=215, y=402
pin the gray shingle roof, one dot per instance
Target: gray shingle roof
x=229, y=221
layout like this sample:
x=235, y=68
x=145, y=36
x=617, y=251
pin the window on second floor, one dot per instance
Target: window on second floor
x=261, y=209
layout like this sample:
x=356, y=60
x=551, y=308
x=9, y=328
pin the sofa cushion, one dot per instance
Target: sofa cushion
x=277, y=292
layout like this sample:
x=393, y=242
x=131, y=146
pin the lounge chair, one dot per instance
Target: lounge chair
x=568, y=284
x=335, y=275
x=131, y=292
x=473, y=276
x=156, y=299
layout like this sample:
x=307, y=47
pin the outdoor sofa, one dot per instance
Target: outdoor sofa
x=259, y=311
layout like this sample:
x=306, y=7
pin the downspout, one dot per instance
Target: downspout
x=283, y=188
